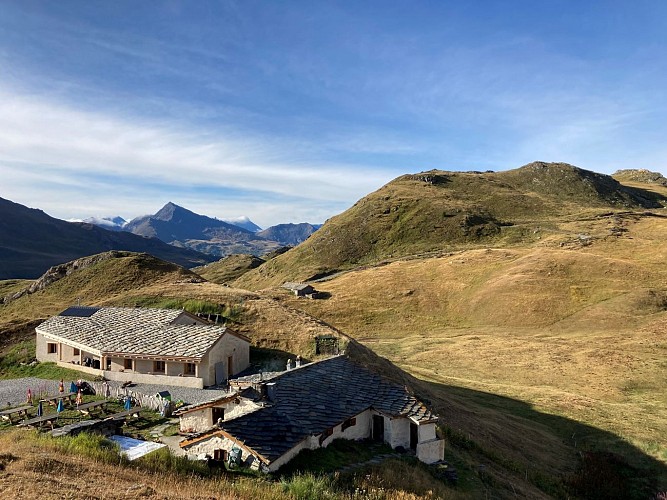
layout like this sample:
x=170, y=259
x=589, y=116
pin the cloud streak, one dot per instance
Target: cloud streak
x=47, y=143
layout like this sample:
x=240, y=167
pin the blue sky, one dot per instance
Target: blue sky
x=291, y=111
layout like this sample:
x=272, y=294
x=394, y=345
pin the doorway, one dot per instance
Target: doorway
x=378, y=428
x=414, y=436
x=230, y=367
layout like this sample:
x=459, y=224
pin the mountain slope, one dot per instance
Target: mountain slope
x=442, y=211
x=245, y=223
x=228, y=268
x=184, y=228
x=31, y=242
x=174, y=223
x=289, y=234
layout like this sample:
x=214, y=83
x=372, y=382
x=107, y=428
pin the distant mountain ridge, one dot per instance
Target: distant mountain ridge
x=181, y=227
x=111, y=223
x=32, y=241
x=289, y=234
x=243, y=222
x=174, y=223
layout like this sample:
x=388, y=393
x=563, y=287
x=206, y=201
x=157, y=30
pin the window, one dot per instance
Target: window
x=218, y=414
x=189, y=369
x=128, y=364
x=52, y=348
x=76, y=352
x=220, y=455
x=158, y=366
x=350, y=422
x=325, y=435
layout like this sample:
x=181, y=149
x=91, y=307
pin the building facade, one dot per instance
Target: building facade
x=153, y=346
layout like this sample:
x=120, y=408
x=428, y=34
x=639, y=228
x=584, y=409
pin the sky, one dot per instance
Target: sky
x=290, y=111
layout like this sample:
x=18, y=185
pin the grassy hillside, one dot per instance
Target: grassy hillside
x=229, y=268
x=575, y=328
x=444, y=211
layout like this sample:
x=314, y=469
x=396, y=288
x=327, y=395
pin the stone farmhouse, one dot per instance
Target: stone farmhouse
x=201, y=417
x=300, y=289
x=153, y=346
x=310, y=406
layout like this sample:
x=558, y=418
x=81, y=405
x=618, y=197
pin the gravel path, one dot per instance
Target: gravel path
x=13, y=391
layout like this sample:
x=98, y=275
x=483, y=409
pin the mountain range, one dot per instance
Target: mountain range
x=32, y=241
x=181, y=227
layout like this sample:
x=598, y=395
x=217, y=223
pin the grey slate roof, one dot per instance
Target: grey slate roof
x=296, y=286
x=316, y=397
x=135, y=331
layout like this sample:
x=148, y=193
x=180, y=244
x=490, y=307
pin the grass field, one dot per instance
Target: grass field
x=571, y=335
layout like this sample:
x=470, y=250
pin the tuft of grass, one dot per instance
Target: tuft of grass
x=308, y=486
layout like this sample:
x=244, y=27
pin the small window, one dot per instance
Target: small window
x=220, y=455
x=189, y=369
x=325, y=435
x=128, y=364
x=52, y=348
x=350, y=422
x=158, y=366
x=76, y=351
x=218, y=414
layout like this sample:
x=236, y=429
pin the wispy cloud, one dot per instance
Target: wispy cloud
x=108, y=158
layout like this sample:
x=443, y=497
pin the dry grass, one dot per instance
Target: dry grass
x=33, y=467
x=575, y=331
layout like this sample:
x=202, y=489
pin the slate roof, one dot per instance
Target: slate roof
x=296, y=286
x=134, y=331
x=316, y=397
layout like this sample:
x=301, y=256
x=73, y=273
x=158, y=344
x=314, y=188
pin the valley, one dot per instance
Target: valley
x=541, y=344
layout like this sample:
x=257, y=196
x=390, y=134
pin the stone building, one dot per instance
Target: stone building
x=300, y=289
x=201, y=417
x=152, y=346
x=310, y=406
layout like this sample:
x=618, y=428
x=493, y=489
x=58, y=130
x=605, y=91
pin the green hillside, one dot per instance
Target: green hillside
x=228, y=268
x=444, y=211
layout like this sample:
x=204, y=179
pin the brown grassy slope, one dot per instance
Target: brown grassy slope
x=444, y=211
x=126, y=280
x=577, y=331
x=228, y=268
x=274, y=325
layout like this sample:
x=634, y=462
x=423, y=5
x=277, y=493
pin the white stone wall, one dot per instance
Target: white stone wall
x=306, y=444
x=202, y=420
x=228, y=345
x=217, y=442
x=41, y=352
x=431, y=451
x=196, y=421
x=140, y=378
x=361, y=430
x=399, y=434
x=427, y=432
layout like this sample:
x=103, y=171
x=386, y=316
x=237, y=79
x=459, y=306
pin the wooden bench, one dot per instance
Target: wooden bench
x=38, y=421
x=86, y=409
x=53, y=399
x=21, y=410
x=124, y=414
